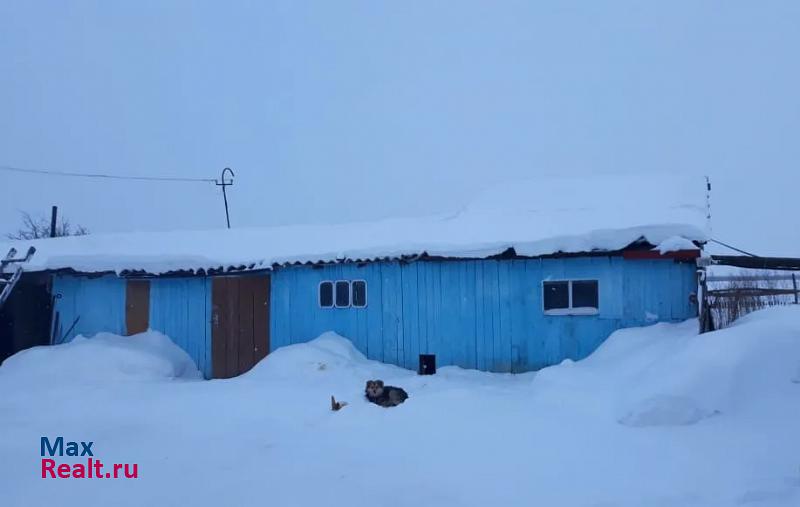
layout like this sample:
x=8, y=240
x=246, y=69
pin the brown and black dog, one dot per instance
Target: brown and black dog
x=385, y=396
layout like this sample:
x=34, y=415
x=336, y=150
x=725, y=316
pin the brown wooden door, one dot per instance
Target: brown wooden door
x=239, y=323
x=137, y=306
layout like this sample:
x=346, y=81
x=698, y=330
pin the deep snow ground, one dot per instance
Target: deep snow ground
x=657, y=417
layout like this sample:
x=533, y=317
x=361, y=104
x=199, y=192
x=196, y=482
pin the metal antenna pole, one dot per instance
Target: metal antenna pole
x=222, y=183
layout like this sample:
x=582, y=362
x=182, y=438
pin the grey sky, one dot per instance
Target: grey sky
x=339, y=111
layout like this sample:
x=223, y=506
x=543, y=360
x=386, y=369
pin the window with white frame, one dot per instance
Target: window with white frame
x=571, y=297
x=358, y=293
x=326, y=294
x=342, y=294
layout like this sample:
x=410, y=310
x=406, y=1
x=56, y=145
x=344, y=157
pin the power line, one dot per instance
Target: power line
x=732, y=247
x=105, y=176
x=222, y=182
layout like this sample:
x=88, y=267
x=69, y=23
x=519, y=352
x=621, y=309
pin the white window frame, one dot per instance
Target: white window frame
x=349, y=294
x=333, y=294
x=570, y=310
x=366, y=293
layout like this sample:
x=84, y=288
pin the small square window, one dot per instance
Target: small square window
x=556, y=295
x=571, y=297
x=359, y=293
x=584, y=294
x=326, y=294
x=342, y=294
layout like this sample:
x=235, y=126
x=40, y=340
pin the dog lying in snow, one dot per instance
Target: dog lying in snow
x=385, y=396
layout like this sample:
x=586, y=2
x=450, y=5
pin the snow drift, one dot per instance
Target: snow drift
x=728, y=371
x=103, y=358
x=667, y=374
x=656, y=416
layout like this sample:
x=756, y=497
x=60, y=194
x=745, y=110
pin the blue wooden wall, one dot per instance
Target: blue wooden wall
x=179, y=308
x=484, y=314
x=99, y=302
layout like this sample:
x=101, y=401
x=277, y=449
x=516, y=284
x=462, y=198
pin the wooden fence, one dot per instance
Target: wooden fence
x=731, y=297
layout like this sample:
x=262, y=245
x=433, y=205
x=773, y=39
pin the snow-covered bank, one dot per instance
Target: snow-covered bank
x=657, y=416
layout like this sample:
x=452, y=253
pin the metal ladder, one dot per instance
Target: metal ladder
x=11, y=272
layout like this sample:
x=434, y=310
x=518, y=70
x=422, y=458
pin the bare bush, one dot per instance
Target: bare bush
x=39, y=227
x=751, y=291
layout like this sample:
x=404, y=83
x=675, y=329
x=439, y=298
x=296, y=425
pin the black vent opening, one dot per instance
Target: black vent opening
x=427, y=364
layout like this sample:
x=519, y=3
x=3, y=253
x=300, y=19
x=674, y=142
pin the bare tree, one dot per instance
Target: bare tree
x=35, y=228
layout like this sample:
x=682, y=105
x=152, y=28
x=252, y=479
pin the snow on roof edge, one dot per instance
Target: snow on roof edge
x=105, y=257
x=536, y=217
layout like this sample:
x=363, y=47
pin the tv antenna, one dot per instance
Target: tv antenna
x=222, y=183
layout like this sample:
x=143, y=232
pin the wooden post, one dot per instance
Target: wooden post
x=702, y=302
x=53, y=218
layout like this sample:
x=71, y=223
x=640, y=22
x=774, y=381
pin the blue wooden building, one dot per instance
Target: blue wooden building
x=490, y=294
x=504, y=314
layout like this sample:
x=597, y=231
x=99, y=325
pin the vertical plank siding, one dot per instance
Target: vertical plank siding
x=239, y=323
x=137, y=306
x=179, y=308
x=260, y=294
x=231, y=320
x=484, y=314
x=93, y=305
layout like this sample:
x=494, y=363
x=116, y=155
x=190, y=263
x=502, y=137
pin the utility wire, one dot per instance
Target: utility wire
x=732, y=247
x=106, y=176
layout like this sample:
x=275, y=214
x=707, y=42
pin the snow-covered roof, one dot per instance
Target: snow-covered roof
x=536, y=217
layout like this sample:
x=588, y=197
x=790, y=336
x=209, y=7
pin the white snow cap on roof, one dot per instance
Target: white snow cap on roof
x=535, y=217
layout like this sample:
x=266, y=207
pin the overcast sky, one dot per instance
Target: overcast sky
x=339, y=111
